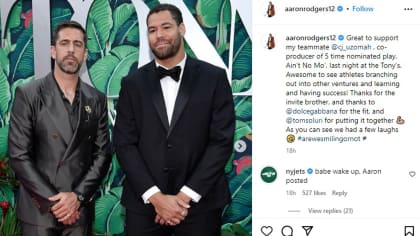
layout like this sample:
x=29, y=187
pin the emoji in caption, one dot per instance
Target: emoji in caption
x=400, y=120
x=290, y=138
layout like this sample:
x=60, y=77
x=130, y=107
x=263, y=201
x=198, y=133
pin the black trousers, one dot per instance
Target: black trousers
x=37, y=230
x=203, y=224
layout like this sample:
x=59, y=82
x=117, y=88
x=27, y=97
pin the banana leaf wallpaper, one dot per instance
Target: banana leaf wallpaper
x=115, y=35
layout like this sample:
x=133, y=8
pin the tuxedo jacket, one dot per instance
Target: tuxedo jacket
x=191, y=150
x=48, y=157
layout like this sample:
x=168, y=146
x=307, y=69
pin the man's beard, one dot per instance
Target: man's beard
x=69, y=68
x=171, y=51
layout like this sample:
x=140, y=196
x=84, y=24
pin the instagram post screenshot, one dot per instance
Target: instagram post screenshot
x=209, y=117
x=335, y=123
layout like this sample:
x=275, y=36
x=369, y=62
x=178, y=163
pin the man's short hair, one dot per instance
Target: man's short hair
x=68, y=24
x=175, y=12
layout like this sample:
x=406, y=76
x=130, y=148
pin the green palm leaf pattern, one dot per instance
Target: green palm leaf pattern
x=215, y=18
x=106, y=73
x=121, y=14
x=5, y=95
x=14, y=16
x=208, y=12
x=22, y=57
x=99, y=26
x=238, y=229
x=109, y=213
x=113, y=43
x=19, y=41
x=60, y=11
x=240, y=188
x=242, y=58
x=15, y=85
x=4, y=132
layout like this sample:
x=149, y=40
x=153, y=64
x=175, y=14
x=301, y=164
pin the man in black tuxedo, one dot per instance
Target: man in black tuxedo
x=59, y=142
x=173, y=136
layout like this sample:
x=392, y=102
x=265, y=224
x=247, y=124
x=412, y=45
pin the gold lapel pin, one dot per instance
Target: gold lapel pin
x=88, y=109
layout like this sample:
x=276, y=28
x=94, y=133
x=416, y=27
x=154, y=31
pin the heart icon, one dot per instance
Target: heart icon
x=412, y=173
x=266, y=230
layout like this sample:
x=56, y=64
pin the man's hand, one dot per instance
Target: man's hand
x=72, y=219
x=172, y=222
x=66, y=208
x=184, y=197
x=168, y=208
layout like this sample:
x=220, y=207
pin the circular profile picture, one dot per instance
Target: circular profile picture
x=271, y=11
x=271, y=42
x=268, y=9
x=268, y=174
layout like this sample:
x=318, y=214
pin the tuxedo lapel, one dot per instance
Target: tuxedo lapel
x=157, y=95
x=56, y=109
x=187, y=82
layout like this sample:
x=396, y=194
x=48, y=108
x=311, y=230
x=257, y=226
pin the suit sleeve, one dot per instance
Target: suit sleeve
x=220, y=143
x=20, y=141
x=126, y=138
x=102, y=157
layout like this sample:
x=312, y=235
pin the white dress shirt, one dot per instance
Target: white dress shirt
x=170, y=89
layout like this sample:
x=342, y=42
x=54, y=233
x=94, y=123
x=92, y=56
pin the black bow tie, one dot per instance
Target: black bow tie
x=173, y=73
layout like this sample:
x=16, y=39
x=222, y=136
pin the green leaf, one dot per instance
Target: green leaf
x=106, y=73
x=241, y=85
x=109, y=213
x=4, y=95
x=7, y=45
x=132, y=34
x=14, y=16
x=242, y=56
x=4, y=132
x=226, y=13
x=98, y=27
x=242, y=129
x=239, y=230
x=151, y=3
x=243, y=107
x=120, y=16
x=4, y=62
x=128, y=33
x=60, y=14
x=16, y=84
x=22, y=57
x=208, y=12
x=101, y=71
x=226, y=232
x=115, y=166
x=221, y=29
x=11, y=226
x=241, y=189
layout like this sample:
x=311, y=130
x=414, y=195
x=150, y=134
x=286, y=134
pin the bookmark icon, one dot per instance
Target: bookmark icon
x=409, y=231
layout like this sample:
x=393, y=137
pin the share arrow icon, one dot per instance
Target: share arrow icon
x=307, y=229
